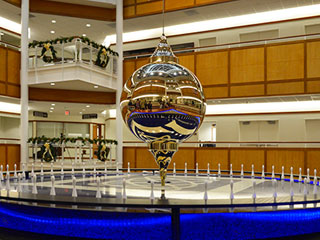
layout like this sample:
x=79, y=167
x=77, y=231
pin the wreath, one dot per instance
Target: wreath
x=102, y=56
x=48, y=152
x=103, y=152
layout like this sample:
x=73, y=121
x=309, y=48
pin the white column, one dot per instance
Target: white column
x=24, y=81
x=119, y=124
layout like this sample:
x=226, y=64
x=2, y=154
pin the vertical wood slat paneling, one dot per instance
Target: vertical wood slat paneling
x=10, y=154
x=280, y=69
x=13, y=67
x=285, y=62
x=287, y=157
x=3, y=65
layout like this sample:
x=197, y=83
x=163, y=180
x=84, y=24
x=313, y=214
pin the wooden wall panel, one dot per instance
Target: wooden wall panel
x=212, y=68
x=13, y=66
x=129, y=12
x=313, y=59
x=54, y=95
x=129, y=155
x=149, y=8
x=129, y=67
x=212, y=156
x=285, y=62
x=13, y=156
x=215, y=92
x=247, y=90
x=141, y=62
x=3, y=64
x=13, y=91
x=247, y=157
x=3, y=88
x=128, y=2
x=247, y=65
x=313, y=86
x=3, y=155
x=144, y=159
x=285, y=88
x=313, y=157
x=287, y=158
x=187, y=60
x=184, y=155
x=174, y=4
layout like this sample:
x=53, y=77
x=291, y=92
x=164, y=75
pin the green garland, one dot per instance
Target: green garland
x=98, y=141
x=102, y=57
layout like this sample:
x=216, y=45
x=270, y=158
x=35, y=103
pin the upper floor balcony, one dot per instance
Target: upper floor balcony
x=73, y=64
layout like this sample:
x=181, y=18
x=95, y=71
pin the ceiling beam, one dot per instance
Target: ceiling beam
x=69, y=9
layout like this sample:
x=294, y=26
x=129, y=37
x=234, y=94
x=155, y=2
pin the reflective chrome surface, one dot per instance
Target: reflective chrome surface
x=163, y=104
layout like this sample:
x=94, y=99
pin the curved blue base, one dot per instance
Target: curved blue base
x=113, y=225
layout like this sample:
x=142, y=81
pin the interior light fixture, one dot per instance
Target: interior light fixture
x=53, y=21
x=222, y=23
x=1, y=33
x=52, y=108
x=52, y=84
x=112, y=113
x=52, y=32
x=84, y=35
x=273, y=107
x=10, y=107
x=80, y=112
x=88, y=25
x=51, y=111
x=53, y=104
x=95, y=86
x=88, y=106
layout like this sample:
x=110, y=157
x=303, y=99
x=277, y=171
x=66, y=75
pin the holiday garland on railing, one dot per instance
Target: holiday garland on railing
x=98, y=141
x=101, y=60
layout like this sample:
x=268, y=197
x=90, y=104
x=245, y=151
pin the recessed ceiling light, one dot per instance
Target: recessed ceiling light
x=80, y=112
x=53, y=21
x=50, y=111
x=84, y=35
x=88, y=25
x=52, y=32
x=88, y=106
x=53, y=104
x=52, y=84
x=95, y=86
x=52, y=108
x=1, y=33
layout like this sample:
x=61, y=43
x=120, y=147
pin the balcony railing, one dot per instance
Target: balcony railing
x=69, y=54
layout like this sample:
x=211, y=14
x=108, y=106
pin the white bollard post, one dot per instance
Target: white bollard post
x=208, y=170
x=252, y=171
x=291, y=174
x=128, y=168
x=62, y=170
x=231, y=172
x=305, y=187
x=282, y=173
x=19, y=189
x=152, y=192
x=72, y=169
x=300, y=175
x=205, y=197
x=174, y=169
x=219, y=170
x=262, y=172
x=272, y=176
x=185, y=169
x=34, y=187
x=275, y=183
x=231, y=190
x=23, y=170
x=8, y=173
x=1, y=173
x=32, y=170
x=197, y=169
x=308, y=175
x=83, y=170
x=291, y=190
x=98, y=194
x=315, y=179
x=94, y=169
x=74, y=189
x=15, y=175
x=53, y=190
x=41, y=169
x=254, y=195
x=124, y=194
x=117, y=168
x=242, y=173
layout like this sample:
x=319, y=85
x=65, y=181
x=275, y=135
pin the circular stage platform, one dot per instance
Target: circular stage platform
x=118, y=205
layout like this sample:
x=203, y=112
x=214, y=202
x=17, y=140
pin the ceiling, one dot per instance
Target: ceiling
x=73, y=85
x=41, y=25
